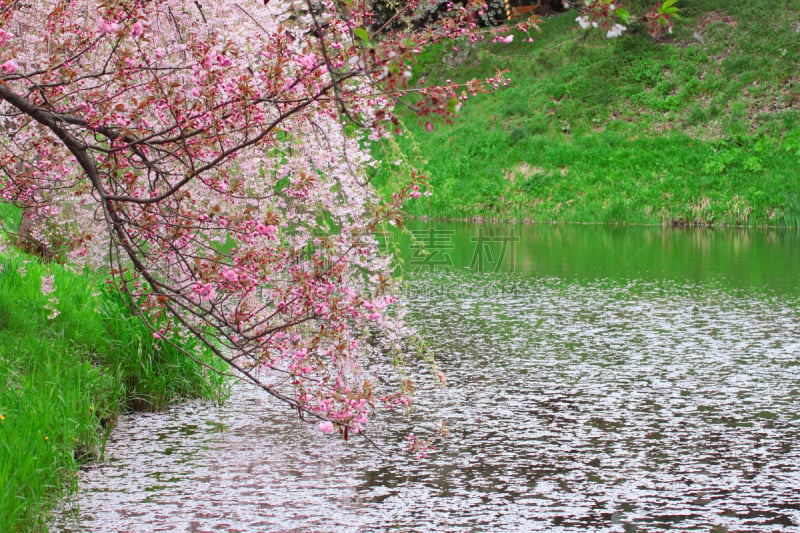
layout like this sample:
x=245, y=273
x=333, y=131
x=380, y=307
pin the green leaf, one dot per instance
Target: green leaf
x=362, y=34
x=623, y=14
x=668, y=7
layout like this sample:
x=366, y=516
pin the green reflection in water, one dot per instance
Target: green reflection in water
x=747, y=258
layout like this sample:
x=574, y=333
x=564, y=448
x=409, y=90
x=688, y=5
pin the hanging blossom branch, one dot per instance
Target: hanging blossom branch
x=210, y=154
x=606, y=15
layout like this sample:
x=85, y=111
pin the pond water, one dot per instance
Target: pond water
x=599, y=379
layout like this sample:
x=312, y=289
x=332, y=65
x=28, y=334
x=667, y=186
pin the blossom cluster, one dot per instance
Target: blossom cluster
x=607, y=15
x=212, y=156
x=660, y=19
x=602, y=14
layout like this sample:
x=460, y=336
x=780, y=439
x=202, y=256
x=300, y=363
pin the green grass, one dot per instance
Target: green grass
x=64, y=380
x=622, y=130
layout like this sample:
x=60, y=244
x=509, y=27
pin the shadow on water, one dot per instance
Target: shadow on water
x=619, y=379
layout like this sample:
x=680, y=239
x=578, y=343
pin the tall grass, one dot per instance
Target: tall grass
x=65, y=378
x=700, y=128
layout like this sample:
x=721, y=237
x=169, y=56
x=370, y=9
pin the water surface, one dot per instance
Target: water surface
x=599, y=379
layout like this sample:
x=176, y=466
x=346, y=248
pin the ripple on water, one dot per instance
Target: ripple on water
x=572, y=406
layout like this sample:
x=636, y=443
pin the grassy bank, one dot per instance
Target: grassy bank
x=65, y=378
x=703, y=127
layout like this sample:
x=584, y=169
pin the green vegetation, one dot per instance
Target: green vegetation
x=701, y=128
x=65, y=378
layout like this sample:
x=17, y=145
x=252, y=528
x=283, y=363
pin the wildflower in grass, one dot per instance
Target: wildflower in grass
x=52, y=306
x=48, y=285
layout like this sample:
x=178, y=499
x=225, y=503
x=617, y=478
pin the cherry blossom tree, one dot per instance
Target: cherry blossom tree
x=211, y=156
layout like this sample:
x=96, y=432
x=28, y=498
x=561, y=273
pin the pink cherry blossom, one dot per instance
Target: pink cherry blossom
x=204, y=291
x=107, y=27
x=138, y=29
x=230, y=275
x=9, y=67
x=5, y=36
x=270, y=231
x=308, y=62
